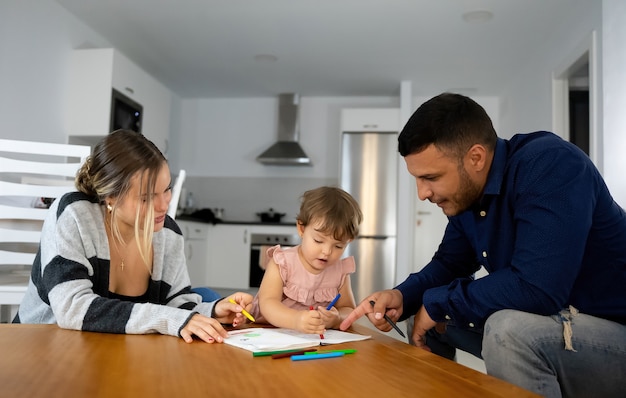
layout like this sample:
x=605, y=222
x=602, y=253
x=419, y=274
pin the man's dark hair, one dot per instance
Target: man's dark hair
x=452, y=122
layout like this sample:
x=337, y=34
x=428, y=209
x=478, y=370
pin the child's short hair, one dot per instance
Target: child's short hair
x=338, y=211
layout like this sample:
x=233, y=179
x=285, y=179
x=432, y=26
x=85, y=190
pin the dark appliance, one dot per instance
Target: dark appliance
x=125, y=113
x=259, y=242
x=270, y=216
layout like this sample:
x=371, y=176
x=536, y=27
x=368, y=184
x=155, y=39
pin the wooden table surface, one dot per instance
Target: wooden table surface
x=44, y=360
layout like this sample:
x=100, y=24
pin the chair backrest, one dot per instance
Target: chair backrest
x=31, y=175
x=176, y=190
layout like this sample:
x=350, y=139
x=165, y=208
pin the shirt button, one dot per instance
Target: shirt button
x=471, y=324
x=485, y=254
x=483, y=213
x=448, y=317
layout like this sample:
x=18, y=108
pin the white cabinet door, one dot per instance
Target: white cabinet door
x=230, y=253
x=94, y=73
x=230, y=256
x=147, y=91
x=89, y=108
x=197, y=252
x=370, y=120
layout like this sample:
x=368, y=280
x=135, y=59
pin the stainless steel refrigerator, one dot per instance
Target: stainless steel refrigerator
x=369, y=173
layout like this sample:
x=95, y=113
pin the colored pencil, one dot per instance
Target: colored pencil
x=290, y=354
x=392, y=323
x=243, y=311
x=318, y=356
x=269, y=353
x=347, y=351
x=321, y=335
x=333, y=302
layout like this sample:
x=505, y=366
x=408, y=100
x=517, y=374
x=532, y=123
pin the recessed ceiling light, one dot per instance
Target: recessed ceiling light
x=478, y=16
x=266, y=58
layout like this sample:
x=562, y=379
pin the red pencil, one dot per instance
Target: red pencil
x=321, y=335
x=289, y=354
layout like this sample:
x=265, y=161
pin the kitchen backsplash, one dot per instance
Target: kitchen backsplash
x=241, y=198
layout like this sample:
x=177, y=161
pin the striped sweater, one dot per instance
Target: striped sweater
x=69, y=283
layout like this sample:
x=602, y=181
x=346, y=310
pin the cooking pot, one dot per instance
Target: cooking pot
x=270, y=216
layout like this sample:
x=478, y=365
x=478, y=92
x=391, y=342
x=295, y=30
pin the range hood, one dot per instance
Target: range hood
x=286, y=151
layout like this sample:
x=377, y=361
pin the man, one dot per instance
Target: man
x=536, y=214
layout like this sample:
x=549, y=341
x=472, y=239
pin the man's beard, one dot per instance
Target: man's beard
x=469, y=192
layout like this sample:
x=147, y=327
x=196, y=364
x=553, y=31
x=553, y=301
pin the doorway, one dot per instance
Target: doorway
x=579, y=107
x=575, y=104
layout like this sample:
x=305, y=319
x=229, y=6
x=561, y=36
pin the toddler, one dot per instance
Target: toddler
x=301, y=281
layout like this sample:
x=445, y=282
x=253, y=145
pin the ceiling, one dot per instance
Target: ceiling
x=259, y=48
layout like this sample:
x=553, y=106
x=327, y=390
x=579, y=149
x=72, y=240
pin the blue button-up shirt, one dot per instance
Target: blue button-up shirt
x=546, y=229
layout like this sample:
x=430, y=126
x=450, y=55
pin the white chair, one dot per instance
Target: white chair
x=176, y=190
x=29, y=172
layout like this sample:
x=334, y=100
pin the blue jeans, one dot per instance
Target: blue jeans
x=530, y=351
x=207, y=294
x=445, y=344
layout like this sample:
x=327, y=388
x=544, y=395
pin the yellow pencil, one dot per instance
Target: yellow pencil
x=243, y=311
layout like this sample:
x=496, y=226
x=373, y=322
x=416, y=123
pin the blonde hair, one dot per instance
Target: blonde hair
x=108, y=173
x=338, y=211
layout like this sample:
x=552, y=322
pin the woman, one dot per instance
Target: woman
x=111, y=260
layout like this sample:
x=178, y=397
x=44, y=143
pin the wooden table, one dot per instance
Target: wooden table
x=44, y=360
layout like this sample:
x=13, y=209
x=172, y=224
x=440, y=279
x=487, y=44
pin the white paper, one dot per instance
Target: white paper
x=271, y=339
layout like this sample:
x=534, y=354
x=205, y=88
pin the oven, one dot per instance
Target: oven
x=260, y=242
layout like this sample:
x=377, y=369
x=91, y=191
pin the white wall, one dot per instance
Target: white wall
x=37, y=36
x=222, y=137
x=36, y=39
x=219, y=140
x=527, y=99
x=614, y=96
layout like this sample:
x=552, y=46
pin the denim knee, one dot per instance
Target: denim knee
x=495, y=331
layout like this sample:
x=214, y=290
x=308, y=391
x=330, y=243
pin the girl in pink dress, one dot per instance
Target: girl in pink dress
x=301, y=281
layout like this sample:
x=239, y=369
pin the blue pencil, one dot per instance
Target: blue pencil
x=333, y=302
x=317, y=356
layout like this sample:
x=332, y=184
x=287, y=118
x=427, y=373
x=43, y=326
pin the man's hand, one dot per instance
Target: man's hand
x=423, y=323
x=386, y=302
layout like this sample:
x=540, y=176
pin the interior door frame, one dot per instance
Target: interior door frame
x=587, y=51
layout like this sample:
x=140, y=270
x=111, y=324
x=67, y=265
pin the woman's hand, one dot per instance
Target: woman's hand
x=227, y=312
x=207, y=329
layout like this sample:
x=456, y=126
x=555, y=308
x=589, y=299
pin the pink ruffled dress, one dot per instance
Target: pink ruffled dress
x=302, y=289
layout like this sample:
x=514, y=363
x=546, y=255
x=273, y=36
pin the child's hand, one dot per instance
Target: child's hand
x=330, y=317
x=310, y=322
x=229, y=310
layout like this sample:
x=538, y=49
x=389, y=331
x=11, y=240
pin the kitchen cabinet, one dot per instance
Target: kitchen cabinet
x=196, y=250
x=370, y=120
x=230, y=256
x=218, y=256
x=230, y=248
x=93, y=75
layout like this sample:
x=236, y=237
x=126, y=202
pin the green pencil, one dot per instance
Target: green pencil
x=269, y=353
x=348, y=351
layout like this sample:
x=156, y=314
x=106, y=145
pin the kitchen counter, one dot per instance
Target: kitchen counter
x=186, y=217
x=220, y=254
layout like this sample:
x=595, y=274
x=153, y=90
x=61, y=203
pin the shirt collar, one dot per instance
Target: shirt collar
x=496, y=172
